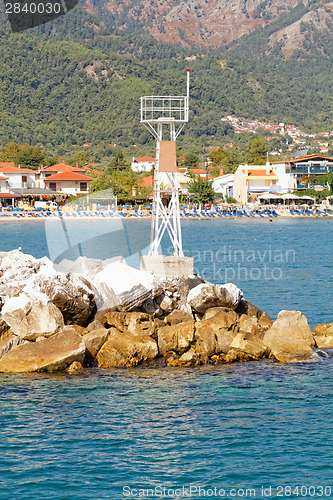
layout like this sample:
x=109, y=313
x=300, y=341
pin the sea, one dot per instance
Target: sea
x=252, y=430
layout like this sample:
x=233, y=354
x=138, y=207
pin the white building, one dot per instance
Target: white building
x=70, y=183
x=224, y=185
x=145, y=164
x=18, y=177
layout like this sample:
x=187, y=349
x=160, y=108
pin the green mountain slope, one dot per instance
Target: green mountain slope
x=76, y=80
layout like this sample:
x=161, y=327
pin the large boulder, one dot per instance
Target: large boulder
x=207, y=295
x=133, y=322
x=290, y=339
x=125, y=350
x=73, y=295
x=175, y=338
x=94, y=340
x=124, y=287
x=52, y=354
x=323, y=336
x=32, y=316
x=249, y=344
x=214, y=335
x=246, y=307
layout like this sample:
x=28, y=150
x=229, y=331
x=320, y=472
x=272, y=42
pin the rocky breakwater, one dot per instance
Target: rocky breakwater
x=107, y=314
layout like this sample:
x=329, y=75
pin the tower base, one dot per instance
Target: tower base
x=167, y=266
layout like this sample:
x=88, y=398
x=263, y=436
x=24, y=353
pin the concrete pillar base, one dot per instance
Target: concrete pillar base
x=167, y=266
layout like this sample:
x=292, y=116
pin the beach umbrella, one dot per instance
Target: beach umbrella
x=307, y=198
x=268, y=196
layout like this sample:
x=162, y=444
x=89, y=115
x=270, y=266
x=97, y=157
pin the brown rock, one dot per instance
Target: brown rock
x=176, y=338
x=249, y=344
x=324, y=329
x=80, y=330
x=95, y=325
x=265, y=321
x=214, y=335
x=212, y=311
x=94, y=340
x=250, y=324
x=290, y=338
x=75, y=368
x=245, y=307
x=324, y=341
x=189, y=358
x=177, y=317
x=133, y=322
x=54, y=353
x=126, y=349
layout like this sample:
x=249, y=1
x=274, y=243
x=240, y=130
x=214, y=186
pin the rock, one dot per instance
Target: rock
x=236, y=355
x=210, y=313
x=206, y=295
x=176, y=338
x=166, y=304
x=133, y=322
x=214, y=335
x=189, y=358
x=290, y=338
x=265, y=321
x=125, y=350
x=54, y=353
x=250, y=324
x=94, y=340
x=80, y=330
x=245, y=307
x=124, y=287
x=151, y=307
x=10, y=342
x=324, y=329
x=95, y=325
x=32, y=316
x=73, y=295
x=249, y=344
x=75, y=368
x=178, y=316
x=324, y=341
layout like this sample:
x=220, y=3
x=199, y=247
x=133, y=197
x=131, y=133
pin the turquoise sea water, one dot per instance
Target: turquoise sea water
x=114, y=433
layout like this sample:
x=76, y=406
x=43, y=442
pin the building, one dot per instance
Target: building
x=46, y=172
x=303, y=168
x=224, y=185
x=253, y=180
x=69, y=182
x=145, y=164
x=18, y=177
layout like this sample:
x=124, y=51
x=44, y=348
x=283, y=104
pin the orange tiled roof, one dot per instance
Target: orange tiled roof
x=259, y=173
x=68, y=176
x=145, y=158
x=62, y=167
x=9, y=168
x=147, y=181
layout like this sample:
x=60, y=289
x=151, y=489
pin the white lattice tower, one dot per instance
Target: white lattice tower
x=165, y=114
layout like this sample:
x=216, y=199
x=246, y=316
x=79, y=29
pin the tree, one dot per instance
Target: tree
x=81, y=158
x=202, y=189
x=9, y=152
x=217, y=157
x=29, y=156
x=256, y=152
x=118, y=162
x=191, y=160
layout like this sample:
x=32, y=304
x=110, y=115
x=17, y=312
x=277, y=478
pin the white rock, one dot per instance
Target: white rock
x=32, y=316
x=207, y=295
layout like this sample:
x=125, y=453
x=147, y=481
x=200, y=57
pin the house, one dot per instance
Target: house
x=18, y=177
x=307, y=166
x=145, y=164
x=253, y=180
x=181, y=178
x=3, y=184
x=46, y=172
x=68, y=182
x=224, y=185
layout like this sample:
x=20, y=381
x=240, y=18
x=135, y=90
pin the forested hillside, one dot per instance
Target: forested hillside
x=78, y=80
